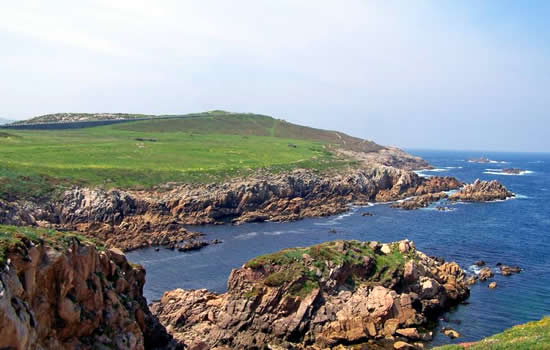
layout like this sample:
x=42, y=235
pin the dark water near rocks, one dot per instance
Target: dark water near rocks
x=514, y=232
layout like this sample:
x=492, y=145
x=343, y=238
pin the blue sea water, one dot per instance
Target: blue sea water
x=513, y=232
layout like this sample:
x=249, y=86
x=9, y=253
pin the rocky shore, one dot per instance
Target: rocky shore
x=68, y=294
x=136, y=219
x=335, y=293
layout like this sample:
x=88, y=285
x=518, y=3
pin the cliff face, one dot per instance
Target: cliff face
x=70, y=295
x=342, y=292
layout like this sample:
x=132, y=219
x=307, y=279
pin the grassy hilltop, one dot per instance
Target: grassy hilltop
x=140, y=154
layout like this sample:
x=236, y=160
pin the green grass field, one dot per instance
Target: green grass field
x=33, y=163
x=530, y=336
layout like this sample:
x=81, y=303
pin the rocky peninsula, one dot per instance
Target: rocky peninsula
x=335, y=293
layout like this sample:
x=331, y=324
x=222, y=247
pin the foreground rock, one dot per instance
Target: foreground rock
x=341, y=292
x=482, y=191
x=57, y=292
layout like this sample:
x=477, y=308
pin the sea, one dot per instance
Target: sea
x=511, y=232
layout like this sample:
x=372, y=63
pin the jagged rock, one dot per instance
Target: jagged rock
x=470, y=281
x=401, y=345
x=508, y=270
x=410, y=333
x=74, y=298
x=492, y=285
x=419, y=201
x=480, y=263
x=485, y=273
x=314, y=295
x=451, y=333
x=482, y=191
x=514, y=171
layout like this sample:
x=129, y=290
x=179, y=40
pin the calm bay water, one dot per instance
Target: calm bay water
x=513, y=232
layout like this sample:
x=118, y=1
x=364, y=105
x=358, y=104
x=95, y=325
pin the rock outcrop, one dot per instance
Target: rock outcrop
x=482, y=191
x=70, y=295
x=514, y=171
x=420, y=201
x=341, y=292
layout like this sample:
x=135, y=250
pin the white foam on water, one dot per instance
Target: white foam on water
x=521, y=196
x=453, y=167
x=275, y=233
x=499, y=172
x=246, y=235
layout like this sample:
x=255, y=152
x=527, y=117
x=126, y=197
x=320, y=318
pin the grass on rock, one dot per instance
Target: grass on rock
x=11, y=236
x=305, y=267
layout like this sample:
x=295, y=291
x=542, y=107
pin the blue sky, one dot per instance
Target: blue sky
x=424, y=74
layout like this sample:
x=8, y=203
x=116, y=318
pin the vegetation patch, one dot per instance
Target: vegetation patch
x=532, y=335
x=302, y=269
x=13, y=236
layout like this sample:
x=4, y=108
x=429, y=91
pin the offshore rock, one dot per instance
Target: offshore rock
x=482, y=191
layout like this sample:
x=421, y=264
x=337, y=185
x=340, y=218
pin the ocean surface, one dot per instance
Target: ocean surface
x=513, y=232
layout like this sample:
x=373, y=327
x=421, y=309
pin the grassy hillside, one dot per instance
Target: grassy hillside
x=205, y=148
x=530, y=336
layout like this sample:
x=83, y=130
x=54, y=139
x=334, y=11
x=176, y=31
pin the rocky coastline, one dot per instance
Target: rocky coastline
x=337, y=293
x=136, y=219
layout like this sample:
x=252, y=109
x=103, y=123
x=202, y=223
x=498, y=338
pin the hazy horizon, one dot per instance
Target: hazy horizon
x=430, y=75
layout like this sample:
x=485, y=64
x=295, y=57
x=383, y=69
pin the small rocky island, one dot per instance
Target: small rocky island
x=481, y=160
x=514, y=171
x=322, y=296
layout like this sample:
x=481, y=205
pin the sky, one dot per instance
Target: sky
x=415, y=74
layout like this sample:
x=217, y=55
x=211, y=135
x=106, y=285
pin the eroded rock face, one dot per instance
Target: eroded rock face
x=341, y=292
x=482, y=191
x=79, y=298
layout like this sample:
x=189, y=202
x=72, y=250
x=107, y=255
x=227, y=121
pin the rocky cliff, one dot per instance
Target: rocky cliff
x=59, y=291
x=341, y=292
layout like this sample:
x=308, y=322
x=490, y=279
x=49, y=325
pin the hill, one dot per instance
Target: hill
x=5, y=121
x=78, y=117
x=198, y=148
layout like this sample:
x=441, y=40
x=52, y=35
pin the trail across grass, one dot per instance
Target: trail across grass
x=148, y=153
